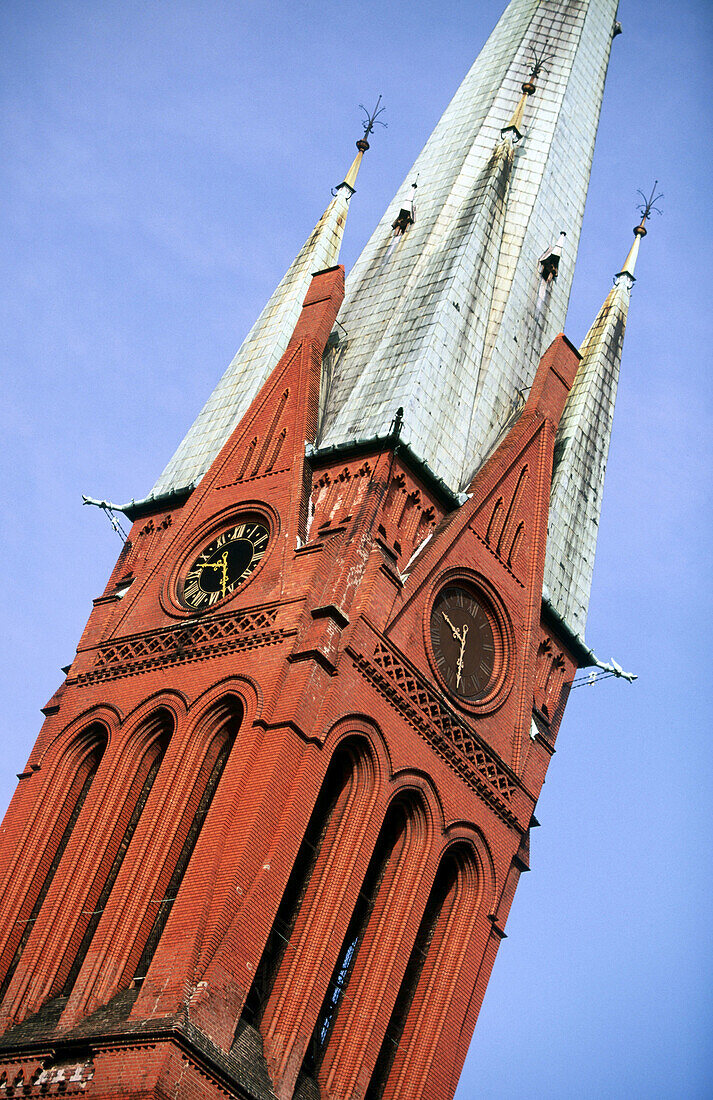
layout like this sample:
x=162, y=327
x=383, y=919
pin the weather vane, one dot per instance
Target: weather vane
x=371, y=119
x=648, y=207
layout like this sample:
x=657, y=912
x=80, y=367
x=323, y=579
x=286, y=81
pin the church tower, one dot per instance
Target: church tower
x=267, y=841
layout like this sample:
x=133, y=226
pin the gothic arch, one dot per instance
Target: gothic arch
x=173, y=703
x=142, y=752
x=134, y=922
x=446, y=930
x=242, y=689
x=396, y=887
x=416, y=780
x=56, y=769
x=45, y=840
x=108, y=717
x=361, y=725
x=321, y=890
x=472, y=837
x=91, y=863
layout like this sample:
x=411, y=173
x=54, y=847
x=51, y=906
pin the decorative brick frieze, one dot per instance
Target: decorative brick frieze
x=47, y=1078
x=187, y=642
x=409, y=693
x=406, y=515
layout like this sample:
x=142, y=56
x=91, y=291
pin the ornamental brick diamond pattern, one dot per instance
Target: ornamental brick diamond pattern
x=184, y=643
x=427, y=702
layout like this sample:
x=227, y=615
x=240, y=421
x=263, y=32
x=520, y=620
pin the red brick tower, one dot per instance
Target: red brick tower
x=269, y=835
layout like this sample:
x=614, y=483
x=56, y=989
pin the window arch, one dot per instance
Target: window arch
x=76, y=771
x=371, y=945
x=225, y=725
x=402, y=1065
x=300, y=951
x=341, y=789
x=156, y=733
x=389, y=845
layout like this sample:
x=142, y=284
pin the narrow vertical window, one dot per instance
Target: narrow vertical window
x=443, y=887
x=391, y=838
x=330, y=797
x=405, y=1060
x=76, y=797
x=150, y=766
x=214, y=764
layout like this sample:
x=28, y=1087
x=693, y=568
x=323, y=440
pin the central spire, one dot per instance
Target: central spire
x=450, y=322
x=446, y=315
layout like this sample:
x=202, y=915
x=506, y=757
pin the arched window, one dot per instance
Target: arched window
x=392, y=837
x=141, y=789
x=87, y=752
x=424, y=995
x=207, y=782
x=301, y=949
x=331, y=799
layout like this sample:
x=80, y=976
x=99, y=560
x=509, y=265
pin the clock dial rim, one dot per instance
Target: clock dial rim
x=218, y=541
x=463, y=640
x=482, y=592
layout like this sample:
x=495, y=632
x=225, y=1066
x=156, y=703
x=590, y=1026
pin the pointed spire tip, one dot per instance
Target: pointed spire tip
x=370, y=120
x=646, y=209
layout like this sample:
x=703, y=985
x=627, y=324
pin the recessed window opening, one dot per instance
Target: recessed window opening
x=442, y=891
x=391, y=838
x=216, y=760
x=153, y=758
x=76, y=798
x=331, y=794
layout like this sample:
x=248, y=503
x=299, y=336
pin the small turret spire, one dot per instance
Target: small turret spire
x=264, y=345
x=514, y=126
x=646, y=209
x=583, y=444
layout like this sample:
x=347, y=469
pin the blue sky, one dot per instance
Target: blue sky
x=162, y=165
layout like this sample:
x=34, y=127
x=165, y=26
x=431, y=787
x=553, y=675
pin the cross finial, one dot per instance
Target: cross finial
x=539, y=60
x=371, y=119
x=647, y=208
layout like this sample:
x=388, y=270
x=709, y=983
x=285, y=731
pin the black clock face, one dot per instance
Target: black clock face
x=463, y=642
x=224, y=563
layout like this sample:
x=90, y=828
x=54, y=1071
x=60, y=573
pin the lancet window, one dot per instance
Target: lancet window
x=329, y=807
x=210, y=773
x=426, y=987
x=145, y=778
x=87, y=753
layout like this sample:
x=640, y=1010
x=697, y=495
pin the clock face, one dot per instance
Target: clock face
x=463, y=642
x=224, y=563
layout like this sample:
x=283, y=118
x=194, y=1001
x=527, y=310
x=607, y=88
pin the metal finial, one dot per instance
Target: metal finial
x=539, y=61
x=371, y=119
x=647, y=208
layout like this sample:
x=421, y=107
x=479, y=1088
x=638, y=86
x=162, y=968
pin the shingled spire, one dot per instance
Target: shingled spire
x=582, y=447
x=265, y=344
x=416, y=315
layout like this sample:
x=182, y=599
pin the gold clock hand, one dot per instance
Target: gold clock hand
x=461, y=655
x=456, y=633
x=224, y=580
x=210, y=565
